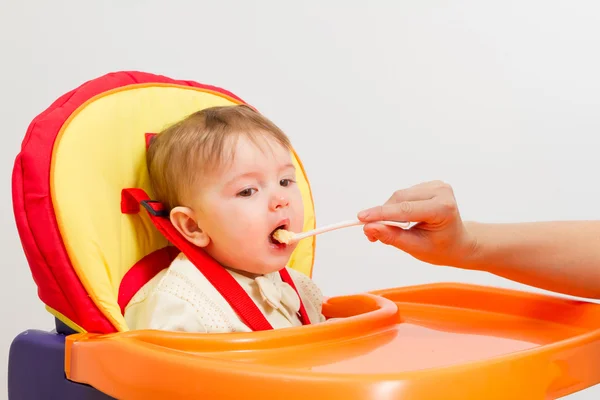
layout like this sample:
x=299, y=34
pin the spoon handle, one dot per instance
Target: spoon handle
x=346, y=224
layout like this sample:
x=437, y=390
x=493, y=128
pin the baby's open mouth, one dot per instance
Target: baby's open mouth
x=273, y=237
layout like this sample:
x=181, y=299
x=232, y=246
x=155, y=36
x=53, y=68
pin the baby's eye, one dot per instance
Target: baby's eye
x=286, y=182
x=247, y=192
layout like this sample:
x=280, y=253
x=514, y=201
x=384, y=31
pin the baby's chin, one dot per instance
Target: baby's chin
x=260, y=260
x=265, y=266
x=258, y=270
x=254, y=265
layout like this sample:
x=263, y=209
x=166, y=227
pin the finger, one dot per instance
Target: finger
x=377, y=232
x=371, y=238
x=422, y=191
x=426, y=211
x=407, y=241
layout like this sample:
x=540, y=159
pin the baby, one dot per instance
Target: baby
x=227, y=177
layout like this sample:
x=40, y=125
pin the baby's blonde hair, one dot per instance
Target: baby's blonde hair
x=200, y=143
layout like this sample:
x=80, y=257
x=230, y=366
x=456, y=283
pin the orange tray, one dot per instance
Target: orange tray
x=440, y=341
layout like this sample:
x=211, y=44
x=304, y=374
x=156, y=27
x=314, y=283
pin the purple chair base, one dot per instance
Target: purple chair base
x=36, y=370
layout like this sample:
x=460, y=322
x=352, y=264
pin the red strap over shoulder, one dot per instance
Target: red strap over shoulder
x=225, y=284
x=142, y=272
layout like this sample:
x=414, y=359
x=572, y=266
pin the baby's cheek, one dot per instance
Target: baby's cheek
x=299, y=215
x=239, y=219
x=298, y=204
x=253, y=229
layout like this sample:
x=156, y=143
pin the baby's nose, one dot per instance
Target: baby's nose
x=279, y=201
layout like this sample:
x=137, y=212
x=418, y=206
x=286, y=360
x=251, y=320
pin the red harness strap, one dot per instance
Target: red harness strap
x=143, y=271
x=225, y=284
x=285, y=276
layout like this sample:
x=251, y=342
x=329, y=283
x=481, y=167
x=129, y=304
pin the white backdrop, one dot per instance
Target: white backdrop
x=500, y=99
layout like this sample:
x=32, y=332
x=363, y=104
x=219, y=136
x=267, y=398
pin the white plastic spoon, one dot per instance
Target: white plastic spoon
x=288, y=237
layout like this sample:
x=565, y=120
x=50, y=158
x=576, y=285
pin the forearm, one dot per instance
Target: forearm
x=558, y=256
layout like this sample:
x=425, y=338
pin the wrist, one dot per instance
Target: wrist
x=472, y=249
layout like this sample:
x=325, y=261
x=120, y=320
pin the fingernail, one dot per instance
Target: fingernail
x=363, y=214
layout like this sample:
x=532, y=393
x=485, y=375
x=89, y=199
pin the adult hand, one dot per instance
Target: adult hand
x=440, y=238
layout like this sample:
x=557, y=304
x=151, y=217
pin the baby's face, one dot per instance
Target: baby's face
x=239, y=207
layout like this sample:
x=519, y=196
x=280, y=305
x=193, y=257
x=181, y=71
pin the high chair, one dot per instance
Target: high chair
x=93, y=235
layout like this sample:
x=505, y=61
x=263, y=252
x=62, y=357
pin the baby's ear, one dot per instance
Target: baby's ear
x=184, y=220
